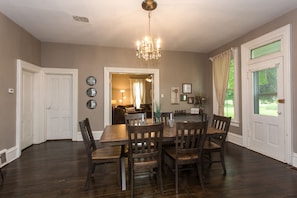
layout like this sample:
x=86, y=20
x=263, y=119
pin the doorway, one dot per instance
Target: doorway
x=108, y=71
x=31, y=97
x=266, y=95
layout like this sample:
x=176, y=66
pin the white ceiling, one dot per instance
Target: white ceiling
x=182, y=25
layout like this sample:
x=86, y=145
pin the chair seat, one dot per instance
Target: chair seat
x=144, y=164
x=208, y=145
x=107, y=153
x=182, y=156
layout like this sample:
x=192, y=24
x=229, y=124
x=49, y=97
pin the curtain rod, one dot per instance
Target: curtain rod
x=232, y=49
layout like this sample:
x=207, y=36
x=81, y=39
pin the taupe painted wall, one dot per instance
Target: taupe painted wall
x=289, y=18
x=175, y=68
x=15, y=43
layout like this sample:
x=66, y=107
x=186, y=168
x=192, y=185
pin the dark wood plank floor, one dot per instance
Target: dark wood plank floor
x=58, y=169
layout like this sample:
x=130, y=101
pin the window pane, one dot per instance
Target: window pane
x=266, y=49
x=229, y=99
x=265, y=92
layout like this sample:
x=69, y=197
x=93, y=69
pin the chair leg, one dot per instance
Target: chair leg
x=199, y=169
x=132, y=182
x=89, y=175
x=119, y=172
x=161, y=179
x=176, y=178
x=223, y=161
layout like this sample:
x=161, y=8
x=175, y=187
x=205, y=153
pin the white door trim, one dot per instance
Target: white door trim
x=74, y=73
x=283, y=33
x=38, y=129
x=108, y=71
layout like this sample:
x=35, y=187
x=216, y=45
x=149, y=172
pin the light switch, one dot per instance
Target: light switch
x=10, y=90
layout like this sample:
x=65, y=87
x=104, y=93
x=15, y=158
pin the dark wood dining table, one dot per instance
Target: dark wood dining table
x=115, y=135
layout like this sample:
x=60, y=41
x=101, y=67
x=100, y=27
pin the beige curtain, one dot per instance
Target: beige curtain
x=221, y=67
x=138, y=92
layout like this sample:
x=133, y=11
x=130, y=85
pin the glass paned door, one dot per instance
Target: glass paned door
x=266, y=130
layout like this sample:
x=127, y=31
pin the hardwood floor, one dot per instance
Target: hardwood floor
x=58, y=169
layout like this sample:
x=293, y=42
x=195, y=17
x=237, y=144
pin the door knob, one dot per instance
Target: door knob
x=281, y=101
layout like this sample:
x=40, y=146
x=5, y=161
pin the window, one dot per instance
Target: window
x=229, y=105
x=138, y=91
x=265, y=92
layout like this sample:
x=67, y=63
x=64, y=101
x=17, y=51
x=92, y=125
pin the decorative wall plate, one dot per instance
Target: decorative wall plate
x=91, y=92
x=92, y=104
x=91, y=80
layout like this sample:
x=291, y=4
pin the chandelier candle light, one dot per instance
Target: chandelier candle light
x=149, y=48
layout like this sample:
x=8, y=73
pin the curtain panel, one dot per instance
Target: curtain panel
x=221, y=67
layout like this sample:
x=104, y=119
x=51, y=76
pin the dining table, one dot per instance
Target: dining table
x=117, y=135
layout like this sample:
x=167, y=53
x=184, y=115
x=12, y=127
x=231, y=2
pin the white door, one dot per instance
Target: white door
x=59, y=115
x=27, y=123
x=266, y=108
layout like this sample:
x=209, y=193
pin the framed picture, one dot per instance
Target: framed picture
x=174, y=95
x=187, y=88
x=183, y=97
x=190, y=100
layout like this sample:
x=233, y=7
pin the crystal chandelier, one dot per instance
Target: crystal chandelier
x=149, y=48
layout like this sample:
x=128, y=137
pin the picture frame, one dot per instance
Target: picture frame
x=190, y=100
x=187, y=88
x=175, y=95
x=183, y=97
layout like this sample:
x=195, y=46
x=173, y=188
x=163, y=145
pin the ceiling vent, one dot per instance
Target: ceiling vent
x=80, y=19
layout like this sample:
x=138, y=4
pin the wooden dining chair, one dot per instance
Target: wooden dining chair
x=190, y=137
x=135, y=118
x=216, y=144
x=145, y=147
x=97, y=156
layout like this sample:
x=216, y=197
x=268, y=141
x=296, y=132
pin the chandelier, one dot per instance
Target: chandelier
x=149, y=48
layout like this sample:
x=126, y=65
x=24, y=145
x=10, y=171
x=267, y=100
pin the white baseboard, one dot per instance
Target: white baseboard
x=294, y=160
x=235, y=138
x=96, y=134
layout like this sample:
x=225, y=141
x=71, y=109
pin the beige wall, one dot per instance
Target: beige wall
x=289, y=18
x=175, y=68
x=15, y=43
